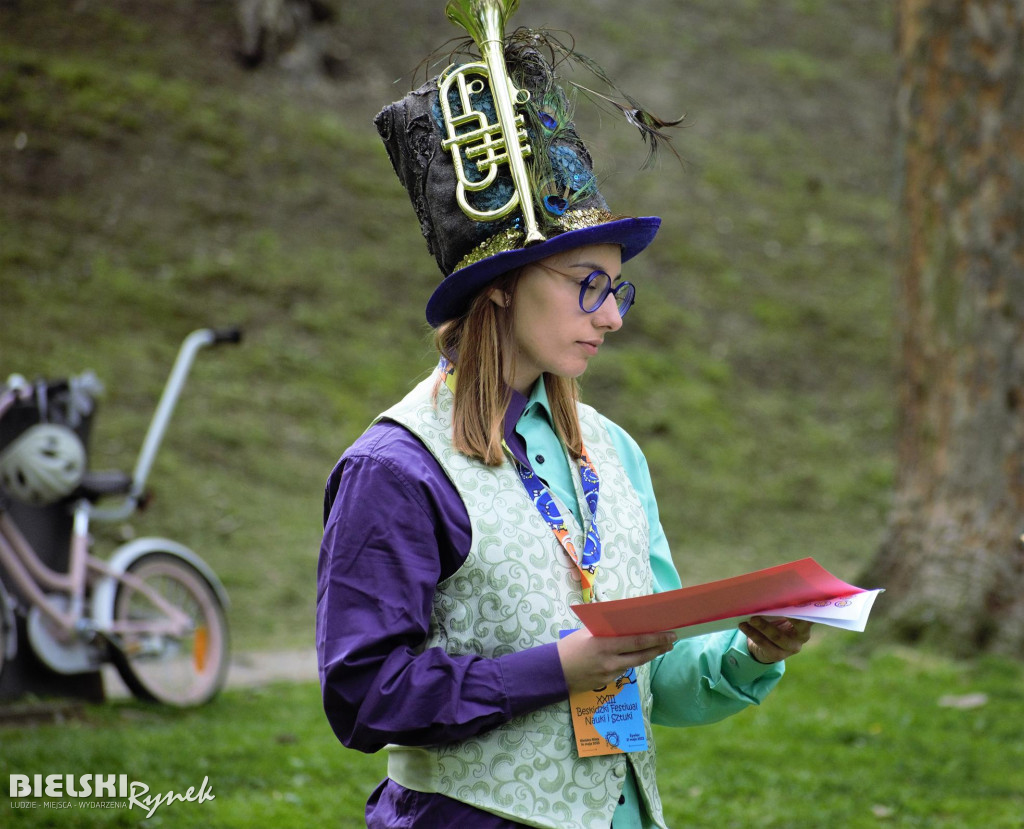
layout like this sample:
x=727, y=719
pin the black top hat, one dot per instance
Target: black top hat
x=436, y=137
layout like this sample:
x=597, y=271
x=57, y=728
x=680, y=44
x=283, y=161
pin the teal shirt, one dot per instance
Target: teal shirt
x=719, y=665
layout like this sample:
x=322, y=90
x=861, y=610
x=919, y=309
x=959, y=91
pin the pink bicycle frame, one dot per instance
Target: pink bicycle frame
x=33, y=579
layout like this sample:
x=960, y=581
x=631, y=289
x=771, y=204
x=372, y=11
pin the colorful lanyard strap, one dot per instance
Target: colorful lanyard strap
x=546, y=506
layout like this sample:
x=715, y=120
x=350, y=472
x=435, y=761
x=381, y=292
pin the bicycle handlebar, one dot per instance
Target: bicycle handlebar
x=226, y=336
x=192, y=344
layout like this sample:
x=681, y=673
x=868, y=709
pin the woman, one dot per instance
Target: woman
x=464, y=523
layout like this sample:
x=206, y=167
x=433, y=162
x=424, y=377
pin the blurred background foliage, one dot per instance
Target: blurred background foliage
x=156, y=177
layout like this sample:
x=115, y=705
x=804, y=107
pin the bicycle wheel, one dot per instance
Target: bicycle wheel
x=175, y=668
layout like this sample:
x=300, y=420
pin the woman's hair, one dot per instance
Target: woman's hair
x=479, y=344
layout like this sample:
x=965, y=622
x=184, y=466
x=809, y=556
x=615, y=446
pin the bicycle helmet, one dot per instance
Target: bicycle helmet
x=43, y=464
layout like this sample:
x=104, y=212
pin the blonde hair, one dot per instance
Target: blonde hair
x=478, y=344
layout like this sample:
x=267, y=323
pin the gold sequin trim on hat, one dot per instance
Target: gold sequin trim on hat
x=512, y=238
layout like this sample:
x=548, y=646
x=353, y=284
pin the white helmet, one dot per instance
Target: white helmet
x=43, y=464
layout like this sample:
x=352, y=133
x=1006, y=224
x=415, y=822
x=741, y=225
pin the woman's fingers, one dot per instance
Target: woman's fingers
x=590, y=661
x=774, y=639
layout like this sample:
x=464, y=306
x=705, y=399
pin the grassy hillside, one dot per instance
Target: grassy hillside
x=150, y=185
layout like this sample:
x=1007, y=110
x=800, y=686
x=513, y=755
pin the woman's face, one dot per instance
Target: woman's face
x=551, y=332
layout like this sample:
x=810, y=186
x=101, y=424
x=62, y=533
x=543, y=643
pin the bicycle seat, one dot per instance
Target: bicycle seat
x=96, y=485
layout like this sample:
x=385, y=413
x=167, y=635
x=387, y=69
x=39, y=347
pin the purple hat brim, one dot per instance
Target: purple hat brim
x=453, y=295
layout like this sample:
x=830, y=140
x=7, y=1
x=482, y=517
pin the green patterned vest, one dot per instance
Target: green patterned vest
x=513, y=592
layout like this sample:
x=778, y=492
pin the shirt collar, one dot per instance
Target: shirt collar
x=539, y=398
x=520, y=406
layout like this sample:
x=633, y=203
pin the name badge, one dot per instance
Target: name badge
x=610, y=719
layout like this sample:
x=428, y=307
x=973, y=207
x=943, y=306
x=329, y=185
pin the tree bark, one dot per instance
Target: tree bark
x=953, y=561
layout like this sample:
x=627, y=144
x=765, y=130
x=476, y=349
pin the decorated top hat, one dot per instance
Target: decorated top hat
x=495, y=170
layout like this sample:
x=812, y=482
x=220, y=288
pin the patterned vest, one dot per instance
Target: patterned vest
x=513, y=592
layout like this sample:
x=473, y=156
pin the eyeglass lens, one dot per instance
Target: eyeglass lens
x=595, y=289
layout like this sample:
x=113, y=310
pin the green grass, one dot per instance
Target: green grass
x=846, y=739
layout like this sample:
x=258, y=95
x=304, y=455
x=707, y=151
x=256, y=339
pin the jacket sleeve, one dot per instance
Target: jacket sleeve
x=388, y=538
x=708, y=678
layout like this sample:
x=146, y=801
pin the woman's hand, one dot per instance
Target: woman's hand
x=772, y=639
x=590, y=661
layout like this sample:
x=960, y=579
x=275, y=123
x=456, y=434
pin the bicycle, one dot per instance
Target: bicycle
x=154, y=609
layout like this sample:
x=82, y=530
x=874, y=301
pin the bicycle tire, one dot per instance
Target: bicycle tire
x=6, y=628
x=158, y=666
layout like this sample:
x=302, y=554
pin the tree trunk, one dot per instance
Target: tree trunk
x=953, y=561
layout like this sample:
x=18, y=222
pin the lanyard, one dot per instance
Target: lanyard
x=545, y=504
x=540, y=495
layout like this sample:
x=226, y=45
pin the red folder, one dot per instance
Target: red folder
x=761, y=591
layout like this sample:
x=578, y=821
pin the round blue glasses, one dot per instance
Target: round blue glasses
x=595, y=288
